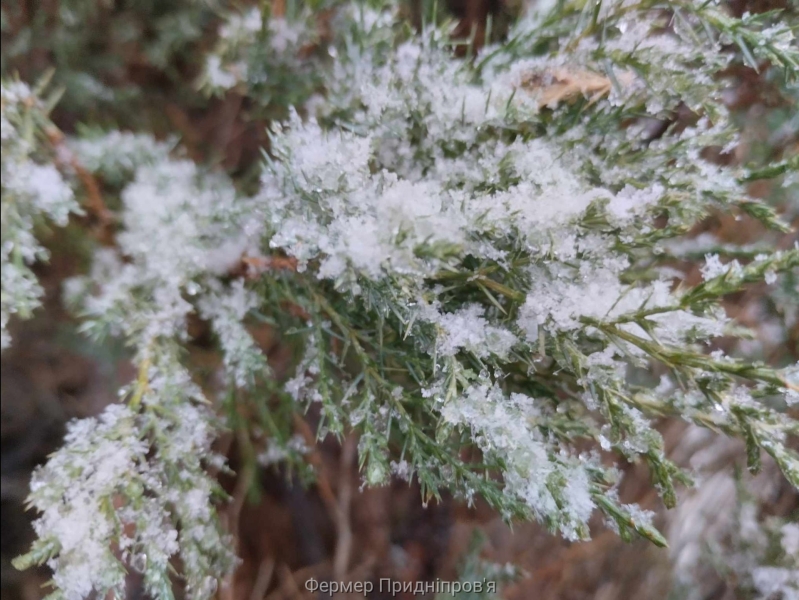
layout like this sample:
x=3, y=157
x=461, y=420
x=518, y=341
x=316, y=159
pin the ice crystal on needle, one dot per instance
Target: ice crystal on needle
x=107, y=488
x=32, y=191
x=139, y=469
x=420, y=199
x=549, y=485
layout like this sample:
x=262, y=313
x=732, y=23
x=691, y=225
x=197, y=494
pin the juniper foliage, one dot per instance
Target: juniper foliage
x=467, y=254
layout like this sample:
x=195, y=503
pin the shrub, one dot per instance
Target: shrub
x=470, y=255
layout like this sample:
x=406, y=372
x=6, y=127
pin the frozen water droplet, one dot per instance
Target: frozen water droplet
x=207, y=588
x=139, y=562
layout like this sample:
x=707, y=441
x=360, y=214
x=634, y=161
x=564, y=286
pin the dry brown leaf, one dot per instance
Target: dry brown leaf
x=564, y=84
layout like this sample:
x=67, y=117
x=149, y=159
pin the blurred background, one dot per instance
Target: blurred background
x=139, y=65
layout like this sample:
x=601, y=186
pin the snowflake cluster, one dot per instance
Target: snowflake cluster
x=725, y=525
x=425, y=191
x=33, y=190
x=129, y=491
x=272, y=58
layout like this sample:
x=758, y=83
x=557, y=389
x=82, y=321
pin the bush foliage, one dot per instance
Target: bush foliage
x=475, y=260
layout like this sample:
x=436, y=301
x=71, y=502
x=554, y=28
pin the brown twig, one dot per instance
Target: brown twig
x=337, y=508
x=264, y=577
x=289, y=587
x=315, y=460
x=288, y=583
x=341, y=557
x=252, y=267
x=94, y=198
x=256, y=265
x=232, y=518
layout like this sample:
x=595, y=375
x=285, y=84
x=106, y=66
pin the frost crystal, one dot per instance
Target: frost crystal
x=31, y=192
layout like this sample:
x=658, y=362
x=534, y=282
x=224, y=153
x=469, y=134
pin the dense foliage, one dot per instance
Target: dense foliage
x=475, y=260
